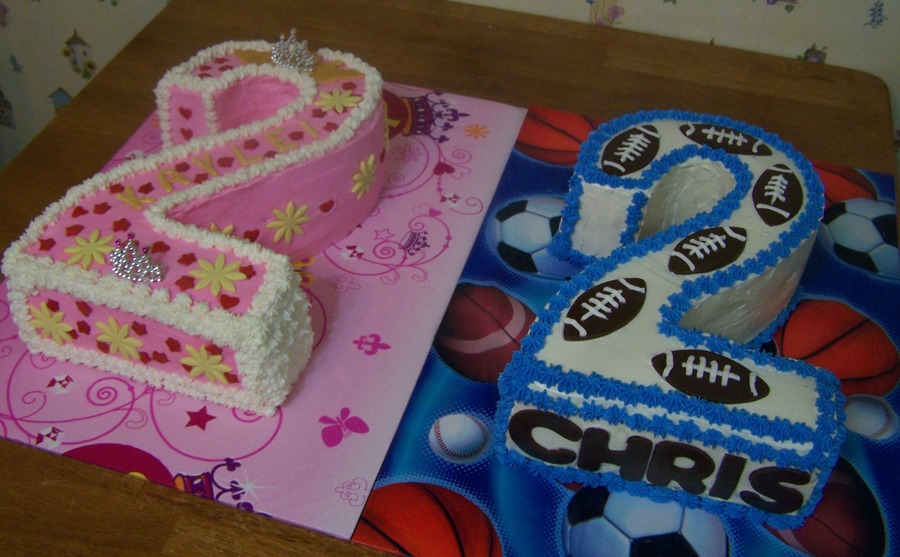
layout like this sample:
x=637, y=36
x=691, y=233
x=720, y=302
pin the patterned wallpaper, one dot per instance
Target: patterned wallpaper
x=858, y=34
x=49, y=50
x=41, y=71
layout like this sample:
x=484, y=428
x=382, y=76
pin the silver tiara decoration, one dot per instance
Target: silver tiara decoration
x=292, y=53
x=130, y=262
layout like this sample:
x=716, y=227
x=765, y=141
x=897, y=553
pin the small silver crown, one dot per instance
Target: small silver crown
x=292, y=53
x=129, y=262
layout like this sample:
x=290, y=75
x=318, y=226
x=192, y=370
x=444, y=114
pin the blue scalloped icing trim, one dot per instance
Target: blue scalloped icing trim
x=829, y=433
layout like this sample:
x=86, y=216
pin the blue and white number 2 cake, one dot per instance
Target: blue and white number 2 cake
x=641, y=373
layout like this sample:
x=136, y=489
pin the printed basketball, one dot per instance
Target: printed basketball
x=554, y=136
x=846, y=523
x=834, y=336
x=482, y=327
x=426, y=520
x=843, y=183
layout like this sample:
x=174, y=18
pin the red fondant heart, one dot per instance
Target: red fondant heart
x=46, y=244
x=226, y=162
x=159, y=357
x=228, y=302
x=182, y=167
x=53, y=305
x=173, y=345
x=102, y=208
x=83, y=327
x=443, y=168
x=200, y=178
x=121, y=225
x=185, y=282
x=248, y=271
x=186, y=113
x=74, y=230
x=187, y=259
x=296, y=135
x=251, y=144
x=348, y=86
x=327, y=206
x=186, y=133
x=251, y=235
x=145, y=188
x=79, y=211
x=83, y=307
x=116, y=188
x=160, y=247
x=139, y=328
x=330, y=127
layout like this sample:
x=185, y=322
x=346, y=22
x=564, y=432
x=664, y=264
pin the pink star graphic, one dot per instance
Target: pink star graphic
x=383, y=234
x=199, y=418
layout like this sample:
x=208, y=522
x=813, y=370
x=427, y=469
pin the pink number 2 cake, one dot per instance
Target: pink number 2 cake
x=176, y=268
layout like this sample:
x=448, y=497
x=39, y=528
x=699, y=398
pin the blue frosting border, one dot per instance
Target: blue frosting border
x=829, y=432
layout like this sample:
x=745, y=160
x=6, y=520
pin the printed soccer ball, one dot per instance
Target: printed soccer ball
x=863, y=232
x=522, y=231
x=618, y=524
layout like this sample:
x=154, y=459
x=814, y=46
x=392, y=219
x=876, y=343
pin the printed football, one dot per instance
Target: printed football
x=710, y=376
x=604, y=308
x=777, y=195
x=708, y=250
x=630, y=150
x=863, y=233
x=725, y=138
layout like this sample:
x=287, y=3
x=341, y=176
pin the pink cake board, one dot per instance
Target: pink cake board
x=377, y=296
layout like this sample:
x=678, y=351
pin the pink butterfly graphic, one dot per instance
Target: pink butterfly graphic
x=339, y=427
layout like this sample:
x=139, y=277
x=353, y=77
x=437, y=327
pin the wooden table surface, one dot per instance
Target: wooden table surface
x=54, y=505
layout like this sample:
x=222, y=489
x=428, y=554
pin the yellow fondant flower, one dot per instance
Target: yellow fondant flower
x=202, y=362
x=288, y=222
x=92, y=249
x=363, y=179
x=228, y=230
x=338, y=100
x=302, y=269
x=50, y=323
x=217, y=275
x=119, y=338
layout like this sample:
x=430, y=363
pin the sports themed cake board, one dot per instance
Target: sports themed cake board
x=847, y=320
x=439, y=484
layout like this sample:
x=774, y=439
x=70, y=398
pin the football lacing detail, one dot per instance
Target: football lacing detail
x=722, y=135
x=633, y=147
x=601, y=304
x=701, y=368
x=701, y=246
